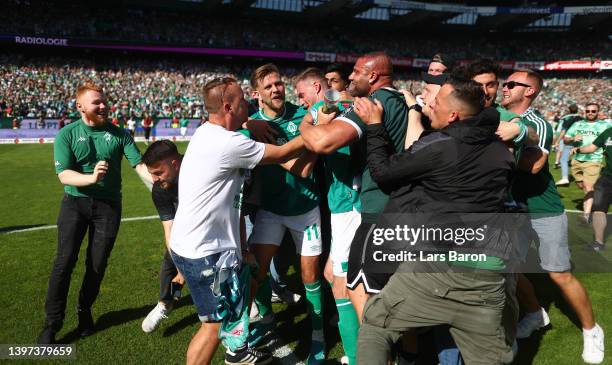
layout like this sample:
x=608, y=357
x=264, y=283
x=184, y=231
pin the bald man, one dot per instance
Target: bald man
x=535, y=188
x=205, y=233
x=372, y=77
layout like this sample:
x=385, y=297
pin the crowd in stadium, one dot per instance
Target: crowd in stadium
x=185, y=28
x=44, y=87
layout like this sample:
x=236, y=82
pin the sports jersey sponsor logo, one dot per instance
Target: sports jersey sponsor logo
x=292, y=128
x=57, y=163
x=346, y=111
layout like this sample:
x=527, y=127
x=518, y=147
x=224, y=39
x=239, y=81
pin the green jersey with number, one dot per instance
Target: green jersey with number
x=605, y=141
x=340, y=174
x=79, y=147
x=538, y=191
x=395, y=119
x=282, y=192
x=589, y=132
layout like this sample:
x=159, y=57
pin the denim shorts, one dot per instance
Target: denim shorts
x=200, y=276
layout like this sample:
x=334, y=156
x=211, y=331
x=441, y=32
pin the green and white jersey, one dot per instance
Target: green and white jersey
x=538, y=191
x=604, y=141
x=282, y=192
x=589, y=132
x=395, y=119
x=340, y=174
x=79, y=147
x=506, y=116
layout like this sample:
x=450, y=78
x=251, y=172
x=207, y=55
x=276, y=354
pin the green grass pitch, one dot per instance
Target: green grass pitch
x=30, y=197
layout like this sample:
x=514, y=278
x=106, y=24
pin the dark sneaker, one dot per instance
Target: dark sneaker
x=47, y=336
x=595, y=246
x=86, y=323
x=248, y=356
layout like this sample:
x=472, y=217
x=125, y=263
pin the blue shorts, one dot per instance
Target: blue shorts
x=200, y=276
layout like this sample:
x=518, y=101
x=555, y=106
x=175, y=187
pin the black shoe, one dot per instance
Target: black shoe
x=595, y=246
x=47, y=336
x=86, y=323
x=247, y=356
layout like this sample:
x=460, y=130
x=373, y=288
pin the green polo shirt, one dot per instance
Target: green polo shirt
x=79, y=147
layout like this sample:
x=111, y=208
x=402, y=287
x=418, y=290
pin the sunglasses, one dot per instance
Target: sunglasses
x=512, y=84
x=591, y=111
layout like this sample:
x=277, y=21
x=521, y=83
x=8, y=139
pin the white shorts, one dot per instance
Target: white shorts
x=343, y=227
x=305, y=230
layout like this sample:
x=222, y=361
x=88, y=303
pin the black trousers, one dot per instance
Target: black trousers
x=100, y=219
x=167, y=272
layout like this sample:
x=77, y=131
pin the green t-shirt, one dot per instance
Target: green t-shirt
x=538, y=191
x=605, y=141
x=184, y=122
x=79, y=147
x=395, y=119
x=282, y=192
x=589, y=131
x=340, y=174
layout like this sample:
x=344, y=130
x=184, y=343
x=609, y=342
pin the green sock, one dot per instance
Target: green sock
x=263, y=298
x=348, y=326
x=315, y=304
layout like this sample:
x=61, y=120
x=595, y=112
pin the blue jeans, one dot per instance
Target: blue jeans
x=199, y=275
x=448, y=352
x=564, y=161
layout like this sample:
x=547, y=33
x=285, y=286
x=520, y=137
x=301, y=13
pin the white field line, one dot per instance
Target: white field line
x=148, y=217
x=55, y=226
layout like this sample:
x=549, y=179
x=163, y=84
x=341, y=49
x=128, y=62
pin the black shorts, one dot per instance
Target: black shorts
x=361, y=249
x=602, y=197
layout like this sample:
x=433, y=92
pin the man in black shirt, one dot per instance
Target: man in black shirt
x=164, y=162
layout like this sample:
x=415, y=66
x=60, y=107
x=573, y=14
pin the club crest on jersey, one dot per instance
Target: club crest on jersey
x=292, y=128
x=82, y=139
x=107, y=137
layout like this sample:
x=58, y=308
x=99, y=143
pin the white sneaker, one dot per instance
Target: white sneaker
x=532, y=322
x=562, y=181
x=593, y=345
x=344, y=360
x=155, y=316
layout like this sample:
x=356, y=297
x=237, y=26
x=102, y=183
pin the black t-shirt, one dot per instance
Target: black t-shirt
x=568, y=120
x=165, y=201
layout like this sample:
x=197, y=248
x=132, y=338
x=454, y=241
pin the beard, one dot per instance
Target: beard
x=97, y=119
x=358, y=90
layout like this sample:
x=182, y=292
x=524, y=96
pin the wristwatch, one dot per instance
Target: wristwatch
x=416, y=107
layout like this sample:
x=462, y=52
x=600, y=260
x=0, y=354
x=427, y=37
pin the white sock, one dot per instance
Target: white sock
x=590, y=332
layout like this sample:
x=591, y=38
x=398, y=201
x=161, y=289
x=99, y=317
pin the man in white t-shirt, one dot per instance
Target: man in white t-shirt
x=207, y=221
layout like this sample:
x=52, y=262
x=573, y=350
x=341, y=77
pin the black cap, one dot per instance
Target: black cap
x=434, y=79
x=444, y=59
